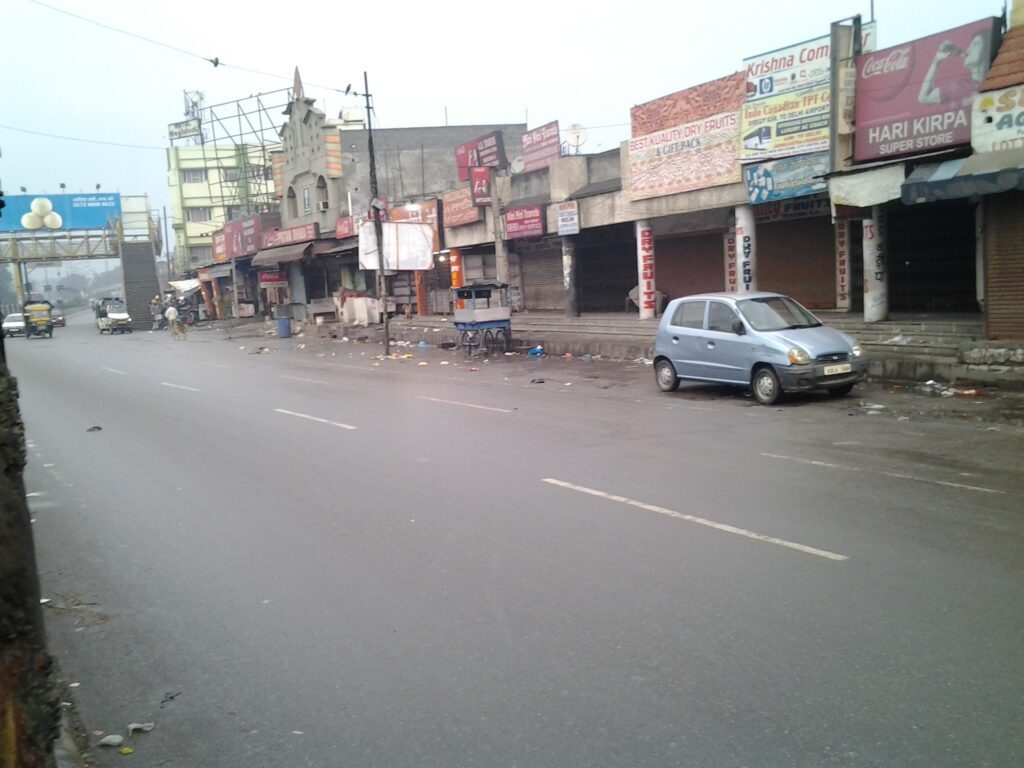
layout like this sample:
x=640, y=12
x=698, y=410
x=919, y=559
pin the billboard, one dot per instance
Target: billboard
x=459, y=208
x=487, y=151
x=303, y=233
x=788, y=94
x=407, y=245
x=480, y=186
x=998, y=120
x=786, y=178
x=917, y=97
x=184, y=129
x=686, y=106
x=424, y=212
x=689, y=156
x=541, y=147
x=46, y=213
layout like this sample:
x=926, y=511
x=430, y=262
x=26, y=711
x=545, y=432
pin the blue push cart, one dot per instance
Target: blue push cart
x=483, y=317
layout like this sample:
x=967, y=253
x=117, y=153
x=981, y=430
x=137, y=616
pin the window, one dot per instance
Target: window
x=776, y=313
x=233, y=212
x=721, y=317
x=200, y=253
x=203, y=213
x=306, y=205
x=229, y=174
x=321, y=191
x=193, y=175
x=690, y=314
x=293, y=206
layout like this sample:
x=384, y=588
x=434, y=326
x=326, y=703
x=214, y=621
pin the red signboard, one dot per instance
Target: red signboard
x=541, y=147
x=344, y=227
x=233, y=239
x=917, y=97
x=301, y=234
x=252, y=230
x=524, y=221
x=480, y=186
x=273, y=278
x=487, y=151
x=459, y=208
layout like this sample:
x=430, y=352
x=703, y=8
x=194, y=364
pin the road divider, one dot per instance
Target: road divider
x=317, y=419
x=723, y=527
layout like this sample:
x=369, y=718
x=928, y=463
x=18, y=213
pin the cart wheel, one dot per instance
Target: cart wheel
x=471, y=341
x=489, y=341
x=502, y=340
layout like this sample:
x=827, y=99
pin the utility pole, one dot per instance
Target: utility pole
x=378, y=227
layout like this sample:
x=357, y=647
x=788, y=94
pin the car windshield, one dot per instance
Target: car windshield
x=14, y=319
x=776, y=313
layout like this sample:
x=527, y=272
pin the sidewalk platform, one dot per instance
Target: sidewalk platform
x=906, y=348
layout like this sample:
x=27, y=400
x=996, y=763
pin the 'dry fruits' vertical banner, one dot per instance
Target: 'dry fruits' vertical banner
x=917, y=97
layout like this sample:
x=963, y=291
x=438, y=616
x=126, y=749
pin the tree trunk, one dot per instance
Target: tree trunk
x=29, y=705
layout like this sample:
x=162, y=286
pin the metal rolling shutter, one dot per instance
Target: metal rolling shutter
x=1004, y=265
x=541, y=266
x=798, y=258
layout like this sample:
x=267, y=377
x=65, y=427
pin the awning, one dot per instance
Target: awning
x=282, y=254
x=184, y=286
x=870, y=187
x=985, y=173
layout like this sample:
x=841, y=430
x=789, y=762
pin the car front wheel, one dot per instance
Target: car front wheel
x=765, y=386
x=665, y=374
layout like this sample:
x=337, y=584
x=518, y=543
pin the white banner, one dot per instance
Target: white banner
x=407, y=245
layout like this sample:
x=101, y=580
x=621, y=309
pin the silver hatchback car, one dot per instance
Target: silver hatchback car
x=765, y=341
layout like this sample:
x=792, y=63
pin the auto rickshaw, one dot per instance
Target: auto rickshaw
x=38, y=318
x=112, y=316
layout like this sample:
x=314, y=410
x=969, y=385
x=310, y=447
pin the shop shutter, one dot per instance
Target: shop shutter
x=542, y=276
x=798, y=258
x=1004, y=265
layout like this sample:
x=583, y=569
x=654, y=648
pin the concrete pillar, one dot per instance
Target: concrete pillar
x=572, y=303
x=746, y=247
x=876, y=274
x=732, y=277
x=422, y=310
x=647, y=298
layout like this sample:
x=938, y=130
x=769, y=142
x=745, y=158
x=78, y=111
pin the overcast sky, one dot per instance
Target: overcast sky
x=574, y=61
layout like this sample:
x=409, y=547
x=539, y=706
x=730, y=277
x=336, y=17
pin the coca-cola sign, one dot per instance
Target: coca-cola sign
x=916, y=97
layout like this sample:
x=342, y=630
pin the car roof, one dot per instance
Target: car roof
x=732, y=296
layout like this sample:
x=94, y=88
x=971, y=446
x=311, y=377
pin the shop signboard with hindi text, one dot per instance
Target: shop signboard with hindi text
x=481, y=186
x=302, y=234
x=541, y=147
x=917, y=97
x=568, y=217
x=523, y=221
x=458, y=208
x=344, y=227
x=273, y=278
x=487, y=151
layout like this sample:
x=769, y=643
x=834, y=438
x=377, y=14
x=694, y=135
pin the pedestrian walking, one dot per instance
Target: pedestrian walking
x=155, y=312
x=178, y=328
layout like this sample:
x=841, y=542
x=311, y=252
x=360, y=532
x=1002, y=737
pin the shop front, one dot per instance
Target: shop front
x=796, y=250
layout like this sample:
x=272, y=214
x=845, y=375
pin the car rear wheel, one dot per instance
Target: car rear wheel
x=665, y=375
x=842, y=391
x=765, y=386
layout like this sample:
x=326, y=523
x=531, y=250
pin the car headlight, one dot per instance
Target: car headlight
x=798, y=357
x=857, y=350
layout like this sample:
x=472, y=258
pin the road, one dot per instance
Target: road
x=298, y=558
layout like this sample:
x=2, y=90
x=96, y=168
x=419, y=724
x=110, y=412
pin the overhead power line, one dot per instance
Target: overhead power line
x=76, y=138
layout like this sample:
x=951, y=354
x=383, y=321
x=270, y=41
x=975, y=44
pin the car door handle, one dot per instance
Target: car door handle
x=711, y=345
x=675, y=339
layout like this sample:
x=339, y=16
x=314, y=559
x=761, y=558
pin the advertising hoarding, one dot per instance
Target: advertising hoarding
x=786, y=178
x=568, y=217
x=487, y=151
x=480, y=186
x=344, y=227
x=424, y=212
x=689, y=156
x=301, y=234
x=917, y=97
x=83, y=211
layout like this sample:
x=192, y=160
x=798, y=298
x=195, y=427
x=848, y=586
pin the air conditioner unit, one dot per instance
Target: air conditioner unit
x=323, y=205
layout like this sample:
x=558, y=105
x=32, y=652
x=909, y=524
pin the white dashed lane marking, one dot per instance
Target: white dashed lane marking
x=317, y=419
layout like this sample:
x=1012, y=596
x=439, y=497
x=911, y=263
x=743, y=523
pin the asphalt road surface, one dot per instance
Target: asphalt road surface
x=301, y=559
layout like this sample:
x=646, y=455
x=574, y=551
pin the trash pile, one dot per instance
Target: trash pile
x=938, y=389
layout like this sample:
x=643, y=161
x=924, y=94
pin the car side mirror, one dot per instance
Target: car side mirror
x=737, y=327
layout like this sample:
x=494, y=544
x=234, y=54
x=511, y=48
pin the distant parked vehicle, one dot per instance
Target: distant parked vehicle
x=58, y=318
x=765, y=341
x=14, y=324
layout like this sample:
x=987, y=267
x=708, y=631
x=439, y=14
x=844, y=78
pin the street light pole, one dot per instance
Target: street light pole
x=378, y=227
